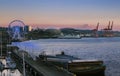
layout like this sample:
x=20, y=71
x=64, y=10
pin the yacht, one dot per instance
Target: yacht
x=75, y=65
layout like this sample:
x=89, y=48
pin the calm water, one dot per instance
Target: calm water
x=106, y=49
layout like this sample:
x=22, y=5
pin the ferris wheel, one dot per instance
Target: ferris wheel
x=16, y=29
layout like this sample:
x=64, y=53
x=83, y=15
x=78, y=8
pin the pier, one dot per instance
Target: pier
x=37, y=68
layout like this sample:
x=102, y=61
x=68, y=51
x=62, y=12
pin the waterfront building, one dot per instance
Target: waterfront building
x=27, y=28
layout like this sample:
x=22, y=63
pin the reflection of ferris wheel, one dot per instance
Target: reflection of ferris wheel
x=16, y=29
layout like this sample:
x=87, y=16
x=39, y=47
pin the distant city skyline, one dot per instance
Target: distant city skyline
x=61, y=13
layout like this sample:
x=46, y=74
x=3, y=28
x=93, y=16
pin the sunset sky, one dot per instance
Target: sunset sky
x=61, y=13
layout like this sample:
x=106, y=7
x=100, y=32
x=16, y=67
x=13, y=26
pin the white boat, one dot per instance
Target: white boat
x=10, y=63
x=1, y=66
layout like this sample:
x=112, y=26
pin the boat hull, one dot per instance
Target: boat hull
x=93, y=72
x=77, y=66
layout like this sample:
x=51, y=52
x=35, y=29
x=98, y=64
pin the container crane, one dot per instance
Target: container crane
x=108, y=31
x=95, y=34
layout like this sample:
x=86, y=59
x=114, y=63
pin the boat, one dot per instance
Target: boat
x=75, y=65
x=10, y=63
x=1, y=66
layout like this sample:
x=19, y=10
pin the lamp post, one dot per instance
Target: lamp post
x=24, y=74
x=23, y=59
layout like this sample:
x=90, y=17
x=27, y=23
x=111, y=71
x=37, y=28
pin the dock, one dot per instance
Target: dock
x=37, y=68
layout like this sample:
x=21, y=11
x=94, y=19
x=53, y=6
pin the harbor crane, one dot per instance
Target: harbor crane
x=107, y=32
x=95, y=34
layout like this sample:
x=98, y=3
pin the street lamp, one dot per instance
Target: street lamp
x=24, y=74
